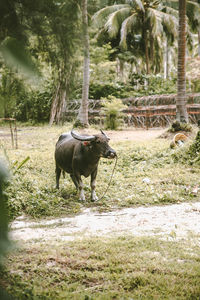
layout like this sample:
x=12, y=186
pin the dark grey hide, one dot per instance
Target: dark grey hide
x=79, y=155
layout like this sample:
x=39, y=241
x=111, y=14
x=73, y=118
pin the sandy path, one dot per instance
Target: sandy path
x=171, y=221
x=133, y=134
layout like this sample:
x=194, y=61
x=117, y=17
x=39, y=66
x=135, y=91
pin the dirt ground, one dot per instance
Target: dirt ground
x=139, y=134
x=132, y=134
x=176, y=221
x=135, y=134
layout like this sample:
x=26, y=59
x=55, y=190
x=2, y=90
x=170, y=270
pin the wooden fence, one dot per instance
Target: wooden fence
x=145, y=112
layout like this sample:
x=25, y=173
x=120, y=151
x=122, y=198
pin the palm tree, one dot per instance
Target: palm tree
x=138, y=18
x=193, y=14
x=82, y=118
x=181, y=111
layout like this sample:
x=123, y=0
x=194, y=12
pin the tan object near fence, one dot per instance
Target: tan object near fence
x=178, y=140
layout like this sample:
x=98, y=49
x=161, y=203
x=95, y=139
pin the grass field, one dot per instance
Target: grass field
x=126, y=267
x=32, y=190
x=120, y=268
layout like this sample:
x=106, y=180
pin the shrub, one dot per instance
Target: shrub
x=194, y=150
x=113, y=109
x=20, y=101
x=177, y=126
x=36, y=107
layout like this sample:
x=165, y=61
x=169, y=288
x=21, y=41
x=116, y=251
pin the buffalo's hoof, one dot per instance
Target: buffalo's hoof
x=94, y=199
x=81, y=199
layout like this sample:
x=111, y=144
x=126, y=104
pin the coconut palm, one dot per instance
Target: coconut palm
x=191, y=11
x=82, y=117
x=181, y=111
x=143, y=19
x=193, y=14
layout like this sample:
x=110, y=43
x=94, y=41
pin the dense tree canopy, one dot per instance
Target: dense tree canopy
x=50, y=31
x=132, y=50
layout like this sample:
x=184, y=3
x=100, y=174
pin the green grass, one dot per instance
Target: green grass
x=115, y=268
x=32, y=189
x=125, y=267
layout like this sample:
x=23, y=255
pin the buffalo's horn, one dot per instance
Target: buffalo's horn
x=104, y=134
x=83, y=137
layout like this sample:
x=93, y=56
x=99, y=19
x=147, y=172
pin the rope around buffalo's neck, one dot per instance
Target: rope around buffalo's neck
x=110, y=179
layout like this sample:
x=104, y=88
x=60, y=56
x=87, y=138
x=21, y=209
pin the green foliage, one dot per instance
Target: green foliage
x=36, y=107
x=102, y=90
x=193, y=73
x=193, y=153
x=125, y=26
x=177, y=126
x=22, y=102
x=17, y=57
x=4, y=243
x=113, y=109
x=190, y=153
x=12, y=90
x=152, y=84
x=137, y=85
x=195, y=85
x=45, y=32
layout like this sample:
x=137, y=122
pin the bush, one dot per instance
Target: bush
x=36, y=107
x=113, y=109
x=177, y=126
x=24, y=104
x=194, y=150
x=152, y=84
x=104, y=90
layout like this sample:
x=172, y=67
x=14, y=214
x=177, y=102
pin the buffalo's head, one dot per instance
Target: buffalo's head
x=98, y=143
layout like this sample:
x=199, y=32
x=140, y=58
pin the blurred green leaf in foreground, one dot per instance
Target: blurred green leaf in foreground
x=18, y=58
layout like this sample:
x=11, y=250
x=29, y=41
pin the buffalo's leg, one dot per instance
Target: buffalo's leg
x=93, y=186
x=58, y=172
x=74, y=181
x=80, y=185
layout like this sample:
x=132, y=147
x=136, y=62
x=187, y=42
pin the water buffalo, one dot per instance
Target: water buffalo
x=79, y=155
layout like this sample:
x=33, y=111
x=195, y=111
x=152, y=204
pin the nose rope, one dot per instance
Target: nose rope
x=110, y=178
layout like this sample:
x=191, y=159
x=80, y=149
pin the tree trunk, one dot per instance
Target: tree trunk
x=121, y=70
x=152, y=65
x=181, y=111
x=166, y=61
x=58, y=105
x=83, y=111
x=198, y=42
x=146, y=50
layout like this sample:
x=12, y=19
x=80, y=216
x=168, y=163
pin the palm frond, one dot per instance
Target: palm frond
x=115, y=20
x=155, y=21
x=171, y=3
x=100, y=16
x=193, y=13
x=169, y=22
x=170, y=11
x=136, y=4
x=126, y=27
